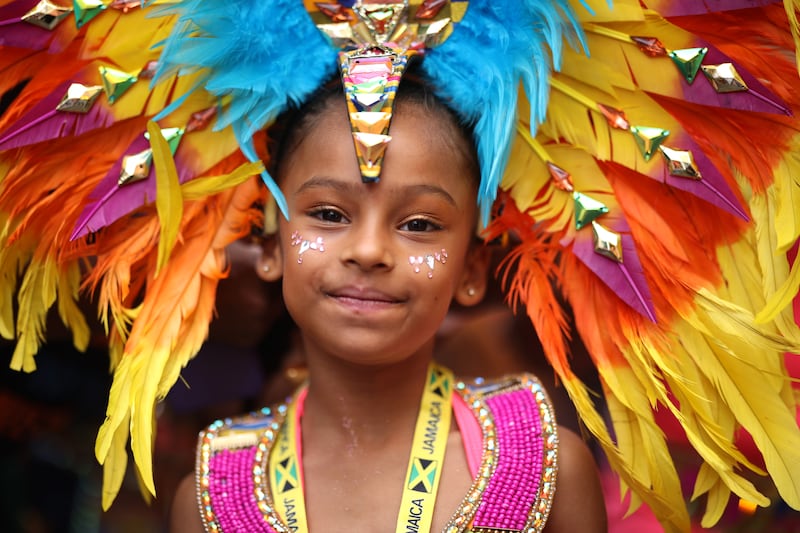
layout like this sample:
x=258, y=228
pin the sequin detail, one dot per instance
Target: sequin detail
x=428, y=260
x=305, y=245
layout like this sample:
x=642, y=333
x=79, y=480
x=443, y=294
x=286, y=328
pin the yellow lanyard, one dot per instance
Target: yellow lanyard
x=424, y=464
x=427, y=453
x=285, y=479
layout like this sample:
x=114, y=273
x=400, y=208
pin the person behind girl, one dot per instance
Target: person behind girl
x=369, y=271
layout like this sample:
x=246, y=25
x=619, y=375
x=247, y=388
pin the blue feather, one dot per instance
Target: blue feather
x=264, y=55
x=268, y=54
x=478, y=70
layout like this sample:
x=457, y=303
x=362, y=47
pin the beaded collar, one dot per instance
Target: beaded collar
x=511, y=491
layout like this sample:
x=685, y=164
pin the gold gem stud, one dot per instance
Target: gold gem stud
x=46, y=14
x=79, y=98
x=680, y=163
x=606, y=242
x=724, y=78
x=135, y=167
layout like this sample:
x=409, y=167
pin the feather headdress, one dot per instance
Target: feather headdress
x=650, y=178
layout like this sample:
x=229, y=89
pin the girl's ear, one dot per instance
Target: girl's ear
x=472, y=287
x=270, y=265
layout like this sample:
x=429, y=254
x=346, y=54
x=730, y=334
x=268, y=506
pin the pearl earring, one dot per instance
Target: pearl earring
x=265, y=268
x=470, y=292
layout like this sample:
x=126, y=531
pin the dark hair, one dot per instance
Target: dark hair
x=292, y=127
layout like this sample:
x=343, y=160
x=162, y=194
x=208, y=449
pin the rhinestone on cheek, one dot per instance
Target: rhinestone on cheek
x=429, y=260
x=305, y=245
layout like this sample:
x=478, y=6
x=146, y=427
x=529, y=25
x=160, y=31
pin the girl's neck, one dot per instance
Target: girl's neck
x=347, y=402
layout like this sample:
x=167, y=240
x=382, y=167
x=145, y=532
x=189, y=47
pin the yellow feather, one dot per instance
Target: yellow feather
x=583, y=69
x=586, y=129
x=166, y=336
x=743, y=366
x=146, y=496
x=735, y=328
x=708, y=422
x=116, y=347
x=13, y=258
x=787, y=192
x=703, y=413
x=169, y=202
x=782, y=298
x=754, y=274
x=785, y=223
x=791, y=7
x=148, y=369
x=594, y=423
x=559, y=211
x=115, y=465
x=201, y=187
x=747, y=282
x=641, y=440
x=525, y=174
x=116, y=412
x=69, y=281
x=762, y=209
x=706, y=477
x=36, y=295
x=718, y=495
x=109, y=37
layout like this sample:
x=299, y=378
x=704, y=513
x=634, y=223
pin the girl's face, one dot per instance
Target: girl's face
x=369, y=270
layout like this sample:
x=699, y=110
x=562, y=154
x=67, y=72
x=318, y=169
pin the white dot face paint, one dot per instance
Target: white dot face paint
x=429, y=260
x=305, y=245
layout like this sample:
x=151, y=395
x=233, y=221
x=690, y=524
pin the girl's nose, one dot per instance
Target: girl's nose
x=369, y=248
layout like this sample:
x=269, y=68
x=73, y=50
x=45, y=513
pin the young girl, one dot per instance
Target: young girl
x=648, y=187
x=368, y=316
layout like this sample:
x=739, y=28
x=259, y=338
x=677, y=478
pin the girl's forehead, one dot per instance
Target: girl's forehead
x=422, y=152
x=421, y=130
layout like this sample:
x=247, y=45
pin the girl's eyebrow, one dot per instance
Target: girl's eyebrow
x=426, y=188
x=354, y=187
x=324, y=182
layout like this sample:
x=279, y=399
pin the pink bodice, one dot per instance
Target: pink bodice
x=509, y=435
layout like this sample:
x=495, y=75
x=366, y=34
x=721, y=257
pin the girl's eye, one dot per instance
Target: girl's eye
x=420, y=224
x=328, y=215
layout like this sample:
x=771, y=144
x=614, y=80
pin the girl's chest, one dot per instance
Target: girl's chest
x=364, y=492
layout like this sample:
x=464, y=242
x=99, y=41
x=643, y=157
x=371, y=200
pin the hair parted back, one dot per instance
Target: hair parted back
x=414, y=93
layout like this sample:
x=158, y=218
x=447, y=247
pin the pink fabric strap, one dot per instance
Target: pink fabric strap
x=471, y=435
x=298, y=431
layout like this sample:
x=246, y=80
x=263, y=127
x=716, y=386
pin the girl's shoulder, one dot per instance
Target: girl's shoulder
x=513, y=436
x=533, y=452
x=242, y=430
x=498, y=385
x=512, y=395
x=230, y=471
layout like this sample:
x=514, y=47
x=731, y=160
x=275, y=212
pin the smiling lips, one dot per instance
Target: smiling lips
x=363, y=298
